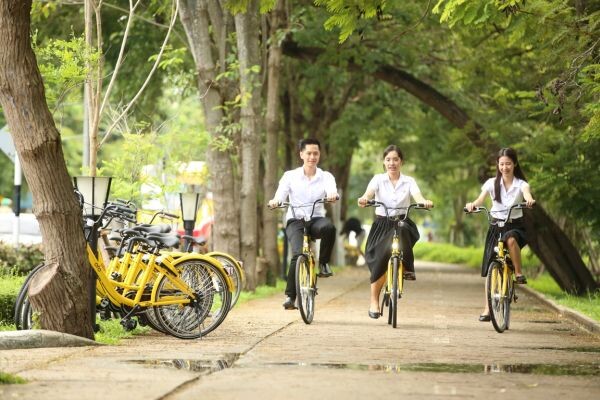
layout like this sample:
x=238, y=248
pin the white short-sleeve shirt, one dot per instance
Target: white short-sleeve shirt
x=393, y=195
x=513, y=195
x=300, y=189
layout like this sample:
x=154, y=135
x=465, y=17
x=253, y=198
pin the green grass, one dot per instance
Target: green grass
x=588, y=304
x=8, y=379
x=470, y=256
x=111, y=331
x=262, y=292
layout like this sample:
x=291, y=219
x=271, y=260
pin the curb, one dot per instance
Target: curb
x=30, y=339
x=583, y=321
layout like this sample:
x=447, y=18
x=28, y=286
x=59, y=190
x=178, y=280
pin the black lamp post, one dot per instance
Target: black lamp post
x=189, y=207
x=95, y=190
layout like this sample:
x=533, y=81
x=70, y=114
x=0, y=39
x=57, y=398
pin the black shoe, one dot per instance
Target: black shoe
x=521, y=280
x=324, y=270
x=410, y=276
x=290, y=303
x=485, y=318
x=375, y=314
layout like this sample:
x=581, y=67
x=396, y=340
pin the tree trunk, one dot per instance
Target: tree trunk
x=552, y=246
x=195, y=19
x=60, y=292
x=269, y=241
x=247, y=34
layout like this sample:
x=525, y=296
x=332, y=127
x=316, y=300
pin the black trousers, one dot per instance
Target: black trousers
x=319, y=228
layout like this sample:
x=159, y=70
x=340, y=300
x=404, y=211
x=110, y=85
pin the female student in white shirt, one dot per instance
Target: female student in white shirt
x=394, y=190
x=507, y=188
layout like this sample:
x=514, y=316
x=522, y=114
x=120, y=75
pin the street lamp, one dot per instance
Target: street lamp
x=189, y=207
x=95, y=190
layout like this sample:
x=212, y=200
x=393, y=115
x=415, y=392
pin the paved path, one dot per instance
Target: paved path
x=440, y=350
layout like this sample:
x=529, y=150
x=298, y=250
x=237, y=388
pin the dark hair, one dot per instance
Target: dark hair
x=393, y=147
x=303, y=142
x=512, y=154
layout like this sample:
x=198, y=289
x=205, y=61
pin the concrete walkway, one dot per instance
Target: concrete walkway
x=263, y=352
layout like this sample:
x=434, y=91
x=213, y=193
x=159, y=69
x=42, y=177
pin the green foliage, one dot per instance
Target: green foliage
x=447, y=253
x=9, y=379
x=180, y=140
x=63, y=64
x=469, y=256
x=240, y=6
x=348, y=15
x=261, y=292
x=588, y=304
x=9, y=288
x=21, y=260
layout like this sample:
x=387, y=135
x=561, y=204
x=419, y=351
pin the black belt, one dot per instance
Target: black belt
x=508, y=221
x=395, y=216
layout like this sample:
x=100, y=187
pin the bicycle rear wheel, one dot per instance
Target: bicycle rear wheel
x=498, y=302
x=305, y=289
x=395, y=292
x=201, y=317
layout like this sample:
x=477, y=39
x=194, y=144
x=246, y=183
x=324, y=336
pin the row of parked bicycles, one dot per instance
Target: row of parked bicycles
x=148, y=280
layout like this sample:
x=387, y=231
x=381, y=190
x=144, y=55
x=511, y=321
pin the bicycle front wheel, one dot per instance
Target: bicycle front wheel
x=395, y=292
x=305, y=289
x=498, y=299
x=235, y=271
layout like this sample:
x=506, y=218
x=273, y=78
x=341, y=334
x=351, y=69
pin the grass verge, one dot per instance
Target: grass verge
x=9, y=379
x=262, y=291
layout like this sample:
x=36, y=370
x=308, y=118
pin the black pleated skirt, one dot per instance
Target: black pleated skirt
x=379, y=245
x=515, y=229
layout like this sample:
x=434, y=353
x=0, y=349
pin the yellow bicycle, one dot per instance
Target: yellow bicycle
x=501, y=275
x=393, y=289
x=306, y=275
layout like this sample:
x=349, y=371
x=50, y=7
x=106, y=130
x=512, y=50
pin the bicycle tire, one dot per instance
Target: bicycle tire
x=511, y=292
x=395, y=294
x=207, y=313
x=497, y=302
x=22, y=316
x=235, y=272
x=385, y=299
x=305, y=290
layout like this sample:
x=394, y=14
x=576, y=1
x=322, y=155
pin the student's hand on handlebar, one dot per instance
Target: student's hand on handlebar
x=469, y=207
x=273, y=204
x=332, y=197
x=427, y=204
x=363, y=202
x=530, y=203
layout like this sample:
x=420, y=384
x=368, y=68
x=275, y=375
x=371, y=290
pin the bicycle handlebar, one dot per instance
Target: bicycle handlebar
x=164, y=214
x=476, y=210
x=418, y=206
x=284, y=204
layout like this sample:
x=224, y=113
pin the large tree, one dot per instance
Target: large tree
x=59, y=292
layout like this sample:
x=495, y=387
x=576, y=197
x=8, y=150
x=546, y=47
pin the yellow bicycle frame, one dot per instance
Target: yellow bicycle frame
x=110, y=286
x=390, y=272
x=311, y=260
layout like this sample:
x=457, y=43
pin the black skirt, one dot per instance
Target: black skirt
x=379, y=245
x=514, y=229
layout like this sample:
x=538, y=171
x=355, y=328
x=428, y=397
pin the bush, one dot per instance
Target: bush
x=21, y=260
x=448, y=253
x=9, y=288
x=469, y=256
